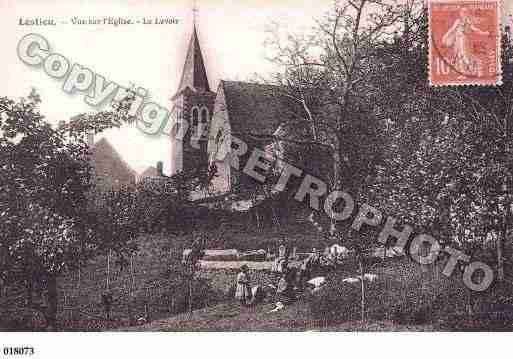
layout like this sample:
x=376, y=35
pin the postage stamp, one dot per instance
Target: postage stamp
x=464, y=42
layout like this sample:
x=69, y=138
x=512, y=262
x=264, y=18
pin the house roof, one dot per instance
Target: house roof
x=150, y=172
x=256, y=108
x=109, y=165
x=194, y=75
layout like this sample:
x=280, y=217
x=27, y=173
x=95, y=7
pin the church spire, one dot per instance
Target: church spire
x=194, y=74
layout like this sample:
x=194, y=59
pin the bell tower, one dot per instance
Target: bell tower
x=194, y=104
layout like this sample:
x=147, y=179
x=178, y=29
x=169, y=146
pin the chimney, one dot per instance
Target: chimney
x=160, y=168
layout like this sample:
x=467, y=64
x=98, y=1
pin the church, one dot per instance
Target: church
x=252, y=112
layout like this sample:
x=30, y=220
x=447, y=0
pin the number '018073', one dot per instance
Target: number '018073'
x=18, y=351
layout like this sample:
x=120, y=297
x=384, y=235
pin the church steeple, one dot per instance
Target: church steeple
x=193, y=103
x=194, y=74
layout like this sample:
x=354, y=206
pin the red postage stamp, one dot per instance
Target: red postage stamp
x=464, y=42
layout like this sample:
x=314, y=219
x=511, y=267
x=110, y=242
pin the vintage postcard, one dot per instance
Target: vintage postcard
x=254, y=166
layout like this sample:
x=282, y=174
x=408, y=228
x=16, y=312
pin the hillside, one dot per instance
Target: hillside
x=150, y=294
x=233, y=317
x=149, y=284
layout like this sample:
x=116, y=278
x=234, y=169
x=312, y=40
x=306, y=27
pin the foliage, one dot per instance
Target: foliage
x=166, y=203
x=177, y=292
x=113, y=212
x=447, y=165
x=45, y=178
x=23, y=320
x=339, y=301
x=336, y=302
x=328, y=73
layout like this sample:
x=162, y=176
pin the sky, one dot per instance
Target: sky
x=231, y=34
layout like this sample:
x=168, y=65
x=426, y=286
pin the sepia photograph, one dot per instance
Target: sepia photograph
x=255, y=166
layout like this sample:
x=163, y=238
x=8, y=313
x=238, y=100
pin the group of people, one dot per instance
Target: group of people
x=290, y=280
x=286, y=288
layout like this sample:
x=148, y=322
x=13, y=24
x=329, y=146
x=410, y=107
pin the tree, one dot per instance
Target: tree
x=448, y=161
x=328, y=74
x=190, y=265
x=114, y=214
x=162, y=203
x=45, y=178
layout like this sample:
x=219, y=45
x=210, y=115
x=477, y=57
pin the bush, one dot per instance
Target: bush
x=24, y=319
x=490, y=311
x=335, y=302
x=339, y=301
x=203, y=295
x=494, y=317
x=411, y=313
x=485, y=321
x=450, y=299
x=176, y=295
x=411, y=304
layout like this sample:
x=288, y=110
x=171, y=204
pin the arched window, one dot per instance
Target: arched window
x=177, y=123
x=204, y=115
x=195, y=116
x=202, y=129
x=219, y=136
x=176, y=129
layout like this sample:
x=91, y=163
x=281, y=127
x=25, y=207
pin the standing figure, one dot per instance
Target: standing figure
x=281, y=263
x=458, y=39
x=197, y=251
x=243, y=289
x=282, y=251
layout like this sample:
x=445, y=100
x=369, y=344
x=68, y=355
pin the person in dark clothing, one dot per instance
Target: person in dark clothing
x=285, y=291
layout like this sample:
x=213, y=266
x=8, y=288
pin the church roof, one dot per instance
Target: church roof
x=256, y=108
x=194, y=74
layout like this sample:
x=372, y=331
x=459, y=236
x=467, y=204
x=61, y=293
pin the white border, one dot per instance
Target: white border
x=272, y=345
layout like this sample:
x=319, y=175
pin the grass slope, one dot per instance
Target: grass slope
x=233, y=317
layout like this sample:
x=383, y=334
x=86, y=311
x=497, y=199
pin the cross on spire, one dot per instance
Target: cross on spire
x=195, y=11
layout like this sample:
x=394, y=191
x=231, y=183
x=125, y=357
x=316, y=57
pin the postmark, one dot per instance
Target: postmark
x=464, y=42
